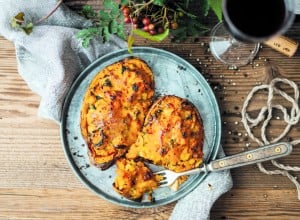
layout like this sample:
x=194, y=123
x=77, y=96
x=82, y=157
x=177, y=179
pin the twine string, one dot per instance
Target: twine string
x=264, y=117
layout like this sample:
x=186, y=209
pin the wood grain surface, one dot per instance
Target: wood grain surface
x=36, y=181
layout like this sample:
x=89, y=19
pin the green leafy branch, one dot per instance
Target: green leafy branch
x=184, y=22
x=110, y=19
x=107, y=21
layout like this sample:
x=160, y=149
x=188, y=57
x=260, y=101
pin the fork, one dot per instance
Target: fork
x=265, y=153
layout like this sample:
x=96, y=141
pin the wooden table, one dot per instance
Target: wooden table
x=36, y=181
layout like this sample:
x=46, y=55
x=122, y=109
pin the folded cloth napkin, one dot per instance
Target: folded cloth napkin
x=50, y=58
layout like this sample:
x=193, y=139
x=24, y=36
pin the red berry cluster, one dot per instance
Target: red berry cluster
x=148, y=23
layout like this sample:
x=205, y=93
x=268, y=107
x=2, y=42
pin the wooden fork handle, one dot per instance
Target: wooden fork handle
x=260, y=154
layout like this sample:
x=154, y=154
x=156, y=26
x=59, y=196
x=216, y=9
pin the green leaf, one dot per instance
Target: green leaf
x=201, y=26
x=92, y=31
x=216, y=6
x=158, y=2
x=108, y=3
x=17, y=20
x=104, y=16
x=86, y=42
x=205, y=7
x=188, y=28
x=106, y=34
x=185, y=11
x=13, y=23
x=116, y=13
x=130, y=42
x=157, y=37
x=121, y=32
x=85, y=35
x=88, y=11
x=180, y=34
x=113, y=27
x=179, y=31
x=28, y=28
x=124, y=2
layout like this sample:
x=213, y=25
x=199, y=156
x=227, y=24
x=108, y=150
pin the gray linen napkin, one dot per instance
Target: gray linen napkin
x=51, y=57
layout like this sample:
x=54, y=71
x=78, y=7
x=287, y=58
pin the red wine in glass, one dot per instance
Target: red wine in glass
x=257, y=20
x=246, y=24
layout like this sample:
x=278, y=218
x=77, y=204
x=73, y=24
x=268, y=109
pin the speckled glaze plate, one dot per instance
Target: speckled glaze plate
x=173, y=76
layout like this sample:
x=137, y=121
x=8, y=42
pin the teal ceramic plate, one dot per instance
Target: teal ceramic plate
x=173, y=76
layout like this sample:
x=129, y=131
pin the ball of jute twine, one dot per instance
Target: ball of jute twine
x=265, y=115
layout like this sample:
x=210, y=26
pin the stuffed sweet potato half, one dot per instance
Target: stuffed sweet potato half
x=114, y=108
x=172, y=135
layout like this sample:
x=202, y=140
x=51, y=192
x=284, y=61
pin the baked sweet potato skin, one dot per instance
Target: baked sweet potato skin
x=172, y=135
x=114, y=108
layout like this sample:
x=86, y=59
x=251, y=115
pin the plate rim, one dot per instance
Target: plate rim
x=63, y=127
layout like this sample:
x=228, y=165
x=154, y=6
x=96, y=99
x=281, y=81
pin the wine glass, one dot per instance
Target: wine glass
x=236, y=40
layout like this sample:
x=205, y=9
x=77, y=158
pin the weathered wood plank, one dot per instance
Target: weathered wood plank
x=36, y=181
x=78, y=203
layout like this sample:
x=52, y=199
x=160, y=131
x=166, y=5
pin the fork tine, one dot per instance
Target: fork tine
x=163, y=181
x=162, y=173
x=164, y=178
x=163, y=184
x=168, y=177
